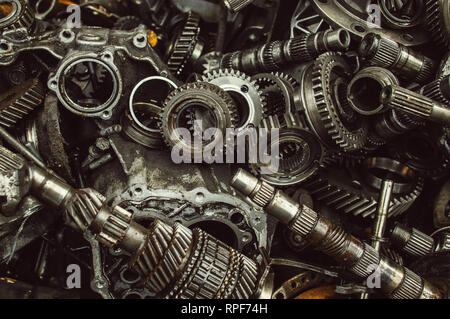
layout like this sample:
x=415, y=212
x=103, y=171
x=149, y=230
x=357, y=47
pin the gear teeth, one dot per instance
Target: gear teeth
x=231, y=109
x=411, y=286
x=387, y=53
x=259, y=105
x=336, y=194
x=340, y=135
x=20, y=101
x=184, y=45
x=299, y=49
x=434, y=91
x=434, y=17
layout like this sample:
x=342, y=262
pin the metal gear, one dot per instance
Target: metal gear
x=197, y=101
x=20, y=101
x=247, y=95
x=321, y=96
x=184, y=44
x=336, y=188
x=438, y=21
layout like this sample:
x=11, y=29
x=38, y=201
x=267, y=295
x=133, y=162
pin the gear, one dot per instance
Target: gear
x=438, y=21
x=321, y=106
x=300, y=155
x=20, y=101
x=247, y=95
x=336, y=188
x=184, y=44
x=192, y=102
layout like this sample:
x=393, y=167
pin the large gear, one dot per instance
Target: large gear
x=190, y=101
x=245, y=92
x=335, y=187
x=184, y=44
x=438, y=21
x=20, y=101
x=321, y=104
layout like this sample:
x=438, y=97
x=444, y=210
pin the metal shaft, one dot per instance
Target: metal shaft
x=416, y=104
x=276, y=54
x=382, y=213
x=397, y=58
x=397, y=281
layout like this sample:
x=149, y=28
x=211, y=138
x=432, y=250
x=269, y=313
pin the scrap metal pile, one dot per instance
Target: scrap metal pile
x=98, y=95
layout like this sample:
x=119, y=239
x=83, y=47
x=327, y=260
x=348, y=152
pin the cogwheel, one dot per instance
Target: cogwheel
x=336, y=188
x=20, y=101
x=184, y=103
x=322, y=106
x=184, y=44
x=438, y=21
x=277, y=93
x=300, y=156
x=247, y=95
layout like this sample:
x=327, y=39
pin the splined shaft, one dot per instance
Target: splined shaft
x=274, y=55
x=236, y=5
x=398, y=98
x=412, y=241
x=174, y=261
x=396, y=57
x=396, y=281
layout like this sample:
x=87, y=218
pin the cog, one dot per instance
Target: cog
x=348, y=136
x=247, y=94
x=184, y=44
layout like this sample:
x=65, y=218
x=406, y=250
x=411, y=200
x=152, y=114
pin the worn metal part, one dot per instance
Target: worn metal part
x=438, y=21
x=246, y=94
x=400, y=59
x=319, y=95
x=399, y=98
x=412, y=241
x=355, y=17
x=236, y=5
x=277, y=54
x=396, y=281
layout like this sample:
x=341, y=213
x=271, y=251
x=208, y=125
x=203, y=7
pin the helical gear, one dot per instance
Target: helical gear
x=321, y=110
x=333, y=187
x=20, y=101
x=438, y=21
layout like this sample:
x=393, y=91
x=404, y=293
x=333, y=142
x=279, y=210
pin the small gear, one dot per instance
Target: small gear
x=197, y=101
x=245, y=92
x=322, y=105
x=20, y=101
x=438, y=21
x=184, y=44
x=300, y=156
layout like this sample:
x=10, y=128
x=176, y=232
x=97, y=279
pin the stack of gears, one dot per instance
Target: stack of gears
x=135, y=137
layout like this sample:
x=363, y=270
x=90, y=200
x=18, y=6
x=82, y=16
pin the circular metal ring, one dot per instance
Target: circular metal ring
x=133, y=92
